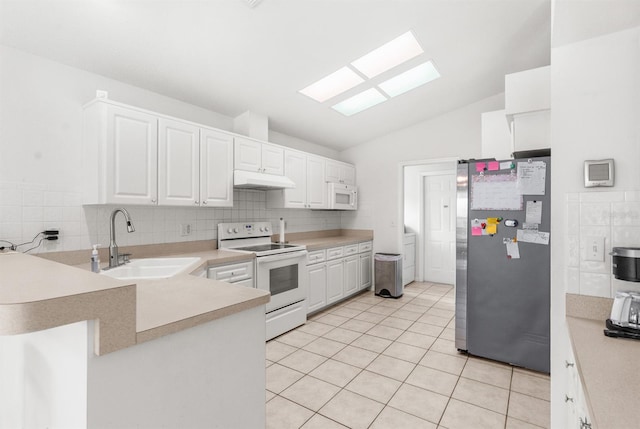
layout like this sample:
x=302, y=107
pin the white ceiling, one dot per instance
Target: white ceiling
x=228, y=57
x=575, y=20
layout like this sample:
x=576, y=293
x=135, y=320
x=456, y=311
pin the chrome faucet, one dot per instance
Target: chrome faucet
x=114, y=255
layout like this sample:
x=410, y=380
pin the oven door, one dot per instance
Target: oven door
x=283, y=275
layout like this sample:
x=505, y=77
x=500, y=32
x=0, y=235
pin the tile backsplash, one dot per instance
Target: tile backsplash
x=26, y=209
x=615, y=216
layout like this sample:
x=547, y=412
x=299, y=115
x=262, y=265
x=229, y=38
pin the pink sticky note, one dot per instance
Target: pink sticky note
x=476, y=230
x=494, y=165
x=480, y=166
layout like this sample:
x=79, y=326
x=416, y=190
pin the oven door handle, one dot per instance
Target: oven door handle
x=282, y=256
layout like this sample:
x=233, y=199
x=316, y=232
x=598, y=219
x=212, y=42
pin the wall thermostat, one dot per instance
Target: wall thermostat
x=598, y=173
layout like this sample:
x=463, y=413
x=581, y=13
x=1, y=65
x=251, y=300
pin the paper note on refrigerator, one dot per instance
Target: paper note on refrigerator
x=476, y=230
x=533, y=212
x=480, y=166
x=533, y=236
x=513, y=252
x=493, y=165
x=531, y=177
x=491, y=228
x=506, y=165
x=495, y=192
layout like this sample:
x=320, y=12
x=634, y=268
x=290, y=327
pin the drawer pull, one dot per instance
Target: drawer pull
x=567, y=364
x=567, y=398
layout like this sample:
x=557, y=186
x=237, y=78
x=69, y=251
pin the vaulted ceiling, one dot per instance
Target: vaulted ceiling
x=229, y=57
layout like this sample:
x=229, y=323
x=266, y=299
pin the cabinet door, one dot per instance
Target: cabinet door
x=365, y=271
x=351, y=270
x=333, y=172
x=131, y=174
x=348, y=174
x=178, y=163
x=316, y=186
x=247, y=154
x=216, y=169
x=335, y=281
x=317, y=297
x=272, y=159
x=295, y=167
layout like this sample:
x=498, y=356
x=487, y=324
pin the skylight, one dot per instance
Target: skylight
x=360, y=102
x=389, y=55
x=372, y=65
x=332, y=85
x=410, y=79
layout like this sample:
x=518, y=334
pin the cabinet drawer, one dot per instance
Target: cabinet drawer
x=335, y=253
x=316, y=256
x=350, y=250
x=232, y=273
x=365, y=247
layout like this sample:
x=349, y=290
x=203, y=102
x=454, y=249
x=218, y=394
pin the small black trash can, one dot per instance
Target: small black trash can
x=388, y=275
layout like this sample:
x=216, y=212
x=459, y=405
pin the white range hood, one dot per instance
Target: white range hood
x=255, y=180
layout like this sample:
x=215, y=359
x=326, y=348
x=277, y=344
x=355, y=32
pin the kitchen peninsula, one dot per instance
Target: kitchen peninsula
x=84, y=350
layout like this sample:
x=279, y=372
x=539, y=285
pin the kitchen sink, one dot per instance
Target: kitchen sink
x=150, y=268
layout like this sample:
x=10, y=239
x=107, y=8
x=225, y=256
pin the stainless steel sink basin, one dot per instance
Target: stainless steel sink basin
x=150, y=268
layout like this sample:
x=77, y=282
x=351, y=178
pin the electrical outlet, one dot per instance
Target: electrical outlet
x=185, y=229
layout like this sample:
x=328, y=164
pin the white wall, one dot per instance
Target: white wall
x=40, y=152
x=455, y=134
x=595, y=114
x=304, y=145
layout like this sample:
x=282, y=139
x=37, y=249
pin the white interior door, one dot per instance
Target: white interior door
x=439, y=226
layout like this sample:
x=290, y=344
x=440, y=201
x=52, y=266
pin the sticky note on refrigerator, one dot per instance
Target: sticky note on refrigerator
x=480, y=166
x=506, y=165
x=476, y=230
x=493, y=166
x=491, y=228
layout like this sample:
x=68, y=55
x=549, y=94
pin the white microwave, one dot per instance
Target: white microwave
x=342, y=197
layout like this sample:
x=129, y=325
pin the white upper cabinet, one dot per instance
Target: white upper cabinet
x=252, y=155
x=178, y=163
x=295, y=168
x=120, y=155
x=131, y=156
x=340, y=172
x=307, y=172
x=216, y=168
x=316, y=185
x=272, y=159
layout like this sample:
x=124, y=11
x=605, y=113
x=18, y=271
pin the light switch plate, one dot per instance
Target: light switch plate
x=594, y=249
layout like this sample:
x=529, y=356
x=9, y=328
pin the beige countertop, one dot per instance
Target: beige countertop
x=49, y=290
x=606, y=365
x=338, y=238
x=37, y=294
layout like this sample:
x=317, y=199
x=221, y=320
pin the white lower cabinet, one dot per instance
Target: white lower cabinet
x=240, y=274
x=351, y=274
x=335, y=280
x=317, y=290
x=365, y=271
x=574, y=398
x=336, y=273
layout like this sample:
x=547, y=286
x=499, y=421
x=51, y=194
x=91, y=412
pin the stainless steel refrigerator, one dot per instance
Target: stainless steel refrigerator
x=503, y=260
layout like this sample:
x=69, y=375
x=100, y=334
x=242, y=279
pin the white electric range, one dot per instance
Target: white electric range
x=279, y=269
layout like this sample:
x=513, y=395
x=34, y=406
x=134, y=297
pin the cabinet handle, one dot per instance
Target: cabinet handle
x=567, y=398
x=153, y=201
x=204, y=202
x=567, y=364
x=584, y=424
x=197, y=202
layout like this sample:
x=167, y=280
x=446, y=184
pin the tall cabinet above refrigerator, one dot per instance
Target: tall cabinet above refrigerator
x=503, y=260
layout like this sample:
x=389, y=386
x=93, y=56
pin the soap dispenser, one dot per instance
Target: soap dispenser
x=95, y=259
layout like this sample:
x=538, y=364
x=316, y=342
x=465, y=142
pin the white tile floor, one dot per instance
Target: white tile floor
x=378, y=363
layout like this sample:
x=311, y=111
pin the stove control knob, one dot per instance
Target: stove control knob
x=235, y=230
x=229, y=230
x=266, y=228
x=261, y=229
